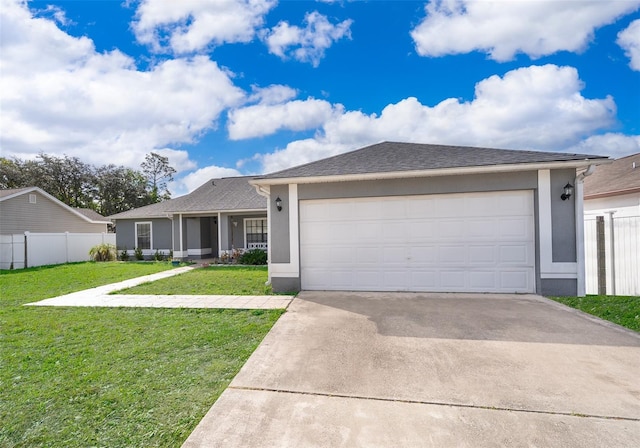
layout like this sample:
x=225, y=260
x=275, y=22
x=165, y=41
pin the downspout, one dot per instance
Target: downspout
x=579, y=216
x=266, y=192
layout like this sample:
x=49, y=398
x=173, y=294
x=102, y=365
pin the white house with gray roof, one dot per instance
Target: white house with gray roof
x=221, y=215
x=418, y=217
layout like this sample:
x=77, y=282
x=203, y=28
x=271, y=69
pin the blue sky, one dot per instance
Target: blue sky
x=229, y=87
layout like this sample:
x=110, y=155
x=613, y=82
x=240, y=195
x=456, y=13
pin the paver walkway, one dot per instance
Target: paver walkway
x=101, y=297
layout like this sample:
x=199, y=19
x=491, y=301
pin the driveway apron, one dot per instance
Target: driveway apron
x=458, y=370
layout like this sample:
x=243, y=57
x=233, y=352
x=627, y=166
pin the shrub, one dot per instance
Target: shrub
x=124, y=254
x=103, y=252
x=137, y=252
x=253, y=256
x=158, y=256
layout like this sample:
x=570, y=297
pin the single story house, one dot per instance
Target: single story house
x=419, y=217
x=32, y=209
x=219, y=216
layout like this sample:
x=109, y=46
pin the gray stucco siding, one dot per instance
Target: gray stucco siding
x=420, y=186
x=279, y=225
x=160, y=230
x=18, y=215
x=561, y=287
x=563, y=218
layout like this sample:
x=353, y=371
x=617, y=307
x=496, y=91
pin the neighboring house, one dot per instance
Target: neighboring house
x=34, y=210
x=37, y=229
x=416, y=217
x=221, y=215
x=612, y=227
x=614, y=188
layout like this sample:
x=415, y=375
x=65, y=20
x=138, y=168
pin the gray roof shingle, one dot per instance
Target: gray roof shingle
x=615, y=178
x=397, y=157
x=216, y=195
x=91, y=214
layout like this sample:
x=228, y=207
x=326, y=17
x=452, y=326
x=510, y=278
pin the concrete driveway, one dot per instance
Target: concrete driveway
x=440, y=370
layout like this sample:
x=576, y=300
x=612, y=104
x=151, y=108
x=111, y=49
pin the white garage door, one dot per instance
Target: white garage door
x=472, y=242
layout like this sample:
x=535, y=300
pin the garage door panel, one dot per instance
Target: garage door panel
x=424, y=280
x=423, y=254
x=481, y=228
x=482, y=254
x=513, y=228
x=452, y=254
x=451, y=229
x=516, y=254
x=519, y=281
x=368, y=255
x=418, y=231
x=459, y=242
x=483, y=280
x=395, y=255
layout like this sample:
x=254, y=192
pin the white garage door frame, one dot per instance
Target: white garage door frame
x=460, y=242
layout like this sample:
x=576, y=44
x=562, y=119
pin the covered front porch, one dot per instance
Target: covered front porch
x=217, y=234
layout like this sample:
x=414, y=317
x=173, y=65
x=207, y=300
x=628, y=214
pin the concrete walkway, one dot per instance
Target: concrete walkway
x=101, y=297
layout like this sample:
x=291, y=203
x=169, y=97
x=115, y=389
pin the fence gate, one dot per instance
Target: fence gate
x=612, y=254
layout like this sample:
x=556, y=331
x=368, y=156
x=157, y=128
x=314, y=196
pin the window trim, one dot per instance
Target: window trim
x=246, y=240
x=150, y=234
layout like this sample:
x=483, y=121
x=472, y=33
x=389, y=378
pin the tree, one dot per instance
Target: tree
x=11, y=174
x=119, y=189
x=158, y=172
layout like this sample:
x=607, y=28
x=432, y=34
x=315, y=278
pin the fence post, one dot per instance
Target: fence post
x=601, y=256
x=26, y=252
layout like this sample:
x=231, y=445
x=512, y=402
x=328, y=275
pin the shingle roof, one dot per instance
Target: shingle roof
x=397, y=157
x=217, y=195
x=618, y=177
x=12, y=191
x=91, y=214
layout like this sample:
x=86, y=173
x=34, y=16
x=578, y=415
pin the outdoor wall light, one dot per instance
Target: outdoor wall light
x=567, y=192
x=279, y=204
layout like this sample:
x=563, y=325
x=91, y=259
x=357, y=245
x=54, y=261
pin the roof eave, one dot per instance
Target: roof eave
x=197, y=212
x=607, y=194
x=433, y=173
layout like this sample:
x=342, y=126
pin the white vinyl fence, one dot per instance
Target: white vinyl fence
x=39, y=249
x=612, y=254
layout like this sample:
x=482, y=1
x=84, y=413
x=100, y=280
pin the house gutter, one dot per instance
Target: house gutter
x=579, y=217
x=264, y=182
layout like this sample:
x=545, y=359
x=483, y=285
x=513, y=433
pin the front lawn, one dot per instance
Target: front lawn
x=116, y=377
x=622, y=310
x=213, y=280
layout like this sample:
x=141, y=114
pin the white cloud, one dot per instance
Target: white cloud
x=274, y=94
x=265, y=119
x=306, y=44
x=504, y=28
x=629, y=40
x=611, y=144
x=60, y=96
x=197, y=178
x=186, y=26
x=537, y=107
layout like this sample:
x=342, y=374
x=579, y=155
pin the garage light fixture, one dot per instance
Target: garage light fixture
x=567, y=192
x=279, y=204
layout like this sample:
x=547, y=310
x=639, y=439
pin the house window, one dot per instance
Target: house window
x=32, y=199
x=143, y=235
x=256, y=233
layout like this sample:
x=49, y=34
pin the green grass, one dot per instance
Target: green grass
x=27, y=285
x=621, y=310
x=227, y=280
x=111, y=377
